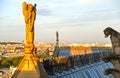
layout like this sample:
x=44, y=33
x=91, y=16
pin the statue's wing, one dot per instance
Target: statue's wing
x=24, y=7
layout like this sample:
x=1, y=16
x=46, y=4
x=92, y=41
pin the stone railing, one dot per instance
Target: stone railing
x=59, y=64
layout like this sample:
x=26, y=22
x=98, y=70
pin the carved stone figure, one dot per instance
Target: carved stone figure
x=115, y=39
x=115, y=57
x=29, y=12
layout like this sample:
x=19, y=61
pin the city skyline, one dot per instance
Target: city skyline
x=80, y=21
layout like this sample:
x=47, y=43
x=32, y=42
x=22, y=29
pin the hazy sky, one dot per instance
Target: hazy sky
x=80, y=21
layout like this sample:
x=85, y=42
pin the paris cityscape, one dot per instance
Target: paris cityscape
x=60, y=39
x=14, y=49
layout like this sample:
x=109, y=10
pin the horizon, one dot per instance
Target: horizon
x=52, y=42
x=78, y=21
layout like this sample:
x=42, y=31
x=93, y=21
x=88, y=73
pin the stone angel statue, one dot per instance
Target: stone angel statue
x=29, y=13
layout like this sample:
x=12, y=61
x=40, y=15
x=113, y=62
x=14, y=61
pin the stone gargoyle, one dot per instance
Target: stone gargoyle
x=114, y=58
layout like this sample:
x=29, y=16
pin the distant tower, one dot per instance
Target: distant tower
x=57, y=39
x=56, y=50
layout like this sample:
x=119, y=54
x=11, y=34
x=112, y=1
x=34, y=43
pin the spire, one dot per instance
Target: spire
x=56, y=50
x=57, y=38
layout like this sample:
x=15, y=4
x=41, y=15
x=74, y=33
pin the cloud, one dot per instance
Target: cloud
x=86, y=18
x=44, y=12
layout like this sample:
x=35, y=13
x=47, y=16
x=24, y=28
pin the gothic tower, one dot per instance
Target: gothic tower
x=56, y=50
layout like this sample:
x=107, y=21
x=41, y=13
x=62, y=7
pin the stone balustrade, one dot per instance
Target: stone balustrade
x=59, y=64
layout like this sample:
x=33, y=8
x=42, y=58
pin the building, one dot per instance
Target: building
x=80, y=50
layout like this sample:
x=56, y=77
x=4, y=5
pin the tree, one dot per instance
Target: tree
x=42, y=55
x=5, y=62
x=15, y=60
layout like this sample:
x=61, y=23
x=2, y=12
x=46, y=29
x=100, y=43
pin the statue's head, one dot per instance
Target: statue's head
x=35, y=5
x=107, y=31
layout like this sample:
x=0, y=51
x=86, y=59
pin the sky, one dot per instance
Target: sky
x=77, y=21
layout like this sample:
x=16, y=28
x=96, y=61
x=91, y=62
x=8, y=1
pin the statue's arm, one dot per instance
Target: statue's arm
x=27, y=17
x=33, y=16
